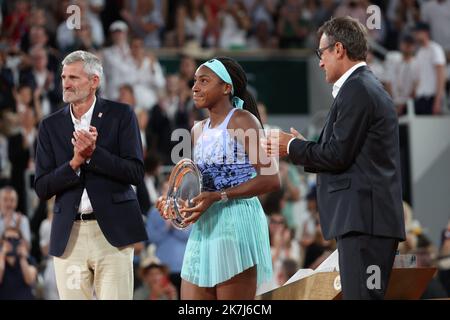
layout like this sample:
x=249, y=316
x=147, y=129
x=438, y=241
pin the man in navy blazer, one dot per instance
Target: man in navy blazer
x=357, y=161
x=89, y=155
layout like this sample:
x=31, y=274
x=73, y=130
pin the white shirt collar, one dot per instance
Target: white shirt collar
x=85, y=119
x=339, y=83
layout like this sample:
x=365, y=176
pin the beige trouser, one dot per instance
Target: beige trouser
x=90, y=263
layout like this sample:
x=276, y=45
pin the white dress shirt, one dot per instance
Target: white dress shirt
x=337, y=86
x=84, y=123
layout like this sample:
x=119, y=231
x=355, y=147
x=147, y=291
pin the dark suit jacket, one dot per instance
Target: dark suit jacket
x=115, y=165
x=357, y=159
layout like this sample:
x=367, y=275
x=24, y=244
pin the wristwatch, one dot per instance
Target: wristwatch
x=223, y=196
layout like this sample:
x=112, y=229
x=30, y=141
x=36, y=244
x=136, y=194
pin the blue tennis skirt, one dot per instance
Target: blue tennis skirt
x=227, y=239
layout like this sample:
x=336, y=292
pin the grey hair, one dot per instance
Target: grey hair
x=91, y=63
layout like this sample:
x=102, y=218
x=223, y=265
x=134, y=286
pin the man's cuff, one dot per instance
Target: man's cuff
x=289, y=143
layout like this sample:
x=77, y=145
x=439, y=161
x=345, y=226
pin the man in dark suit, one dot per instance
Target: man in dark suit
x=89, y=155
x=357, y=162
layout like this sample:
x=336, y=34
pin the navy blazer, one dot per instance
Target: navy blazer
x=115, y=165
x=357, y=161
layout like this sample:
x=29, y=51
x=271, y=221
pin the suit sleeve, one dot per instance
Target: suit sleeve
x=348, y=134
x=128, y=166
x=51, y=179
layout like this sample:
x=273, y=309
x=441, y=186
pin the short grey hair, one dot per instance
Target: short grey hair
x=91, y=63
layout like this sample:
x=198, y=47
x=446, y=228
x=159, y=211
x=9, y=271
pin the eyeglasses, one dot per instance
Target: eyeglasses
x=320, y=51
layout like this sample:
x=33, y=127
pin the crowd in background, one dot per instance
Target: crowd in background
x=125, y=34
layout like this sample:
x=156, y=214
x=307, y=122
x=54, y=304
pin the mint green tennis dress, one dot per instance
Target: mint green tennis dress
x=231, y=236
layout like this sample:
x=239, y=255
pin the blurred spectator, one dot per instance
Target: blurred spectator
x=187, y=68
x=376, y=66
x=282, y=244
x=159, y=132
x=426, y=258
x=126, y=95
x=353, y=8
x=262, y=12
x=186, y=72
x=65, y=37
x=288, y=268
x=152, y=166
x=46, y=14
x=21, y=150
x=17, y=271
x=273, y=202
x=170, y=242
x=307, y=223
x=147, y=190
x=402, y=75
x=45, y=229
x=4, y=161
x=14, y=61
x=39, y=32
x=437, y=14
x=445, y=241
x=262, y=37
x=46, y=87
x=147, y=77
x=290, y=180
x=191, y=22
x=26, y=98
x=83, y=39
x=142, y=118
x=174, y=110
x=413, y=230
x=262, y=109
x=96, y=7
x=318, y=250
x=431, y=63
x=50, y=291
x=6, y=84
x=156, y=284
x=146, y=20
x=9, y=217
x=293, y=29
x=358, y=10
x=178, y=104
x=444, y=259
x=15, y=24
x=213, y=9
x=235, y=23
x=402, y=16
x=39, y=39
x=172, y=99
x=324, y=12
x=117, y=60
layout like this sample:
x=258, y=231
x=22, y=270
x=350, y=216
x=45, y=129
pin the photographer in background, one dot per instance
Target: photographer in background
x=9, y=217
x=17, y=272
